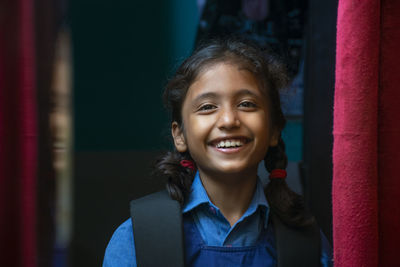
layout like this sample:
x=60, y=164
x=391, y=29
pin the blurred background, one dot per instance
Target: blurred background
x=93, y=73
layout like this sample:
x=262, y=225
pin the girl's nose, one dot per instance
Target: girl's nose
x=228, y=119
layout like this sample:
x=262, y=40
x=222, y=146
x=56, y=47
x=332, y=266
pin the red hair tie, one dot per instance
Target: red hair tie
x=188, y=164
x=277, y=173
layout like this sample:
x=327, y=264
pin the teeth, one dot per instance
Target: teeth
x=230, y=143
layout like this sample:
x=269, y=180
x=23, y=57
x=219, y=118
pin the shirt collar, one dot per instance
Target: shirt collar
x=198, y=196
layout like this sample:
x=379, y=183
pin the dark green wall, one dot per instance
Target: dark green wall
x=123, y=54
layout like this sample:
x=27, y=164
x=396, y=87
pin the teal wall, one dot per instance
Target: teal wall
x=292, y=134
x=124, y=52
x=184, y=20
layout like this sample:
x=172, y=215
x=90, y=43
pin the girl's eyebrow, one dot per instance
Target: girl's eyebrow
x=206, y=95
x=243, y=92
x=213, y=95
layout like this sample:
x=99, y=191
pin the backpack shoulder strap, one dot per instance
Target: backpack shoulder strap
x=157, y=226
x=296, y=247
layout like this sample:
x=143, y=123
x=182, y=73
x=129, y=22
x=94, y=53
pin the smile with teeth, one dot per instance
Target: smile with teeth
x=229, y=143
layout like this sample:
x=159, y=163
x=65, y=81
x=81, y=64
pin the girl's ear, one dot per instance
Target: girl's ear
x=274, y=138
x=179, y=138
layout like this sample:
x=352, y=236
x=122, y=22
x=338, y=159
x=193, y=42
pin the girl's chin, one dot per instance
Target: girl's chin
x=234, y=169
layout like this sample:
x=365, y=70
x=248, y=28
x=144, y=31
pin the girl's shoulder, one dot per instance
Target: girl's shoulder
x=120, y=234
x=120, y=250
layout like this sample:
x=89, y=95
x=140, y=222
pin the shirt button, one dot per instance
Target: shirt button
x=212, y=209
x=228, y=245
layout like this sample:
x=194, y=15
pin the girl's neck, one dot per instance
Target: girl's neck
x=231, y=193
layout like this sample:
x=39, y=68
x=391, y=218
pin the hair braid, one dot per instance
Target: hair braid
x=286, y=204
x=179, y=178
x=276, y=157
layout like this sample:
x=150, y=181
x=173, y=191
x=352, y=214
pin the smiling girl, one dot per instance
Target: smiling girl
x=226, y=118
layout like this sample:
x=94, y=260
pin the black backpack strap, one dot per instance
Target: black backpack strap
x=295, y=247
x=157, y=225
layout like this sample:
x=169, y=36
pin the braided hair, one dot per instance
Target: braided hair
x=271, y=76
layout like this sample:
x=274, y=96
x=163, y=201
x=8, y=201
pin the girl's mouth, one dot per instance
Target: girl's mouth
x=232, y=144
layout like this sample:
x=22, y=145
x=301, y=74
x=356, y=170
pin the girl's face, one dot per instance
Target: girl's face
x=227, y=126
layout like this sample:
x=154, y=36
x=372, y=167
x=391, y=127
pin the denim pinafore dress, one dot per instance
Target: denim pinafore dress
x=198, y=254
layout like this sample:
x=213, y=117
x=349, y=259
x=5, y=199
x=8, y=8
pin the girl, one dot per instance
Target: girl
x=226, y=119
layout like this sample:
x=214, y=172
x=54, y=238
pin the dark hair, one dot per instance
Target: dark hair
x=271, y=76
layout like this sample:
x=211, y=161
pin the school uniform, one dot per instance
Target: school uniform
x=209, y=238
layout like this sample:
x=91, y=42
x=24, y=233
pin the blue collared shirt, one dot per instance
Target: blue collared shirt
x=214, y=229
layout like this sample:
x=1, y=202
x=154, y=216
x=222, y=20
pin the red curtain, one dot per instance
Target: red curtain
x=366, y=150
x=18, y=134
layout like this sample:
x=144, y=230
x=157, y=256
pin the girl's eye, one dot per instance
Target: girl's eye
x=207, y=107
x=247, y=104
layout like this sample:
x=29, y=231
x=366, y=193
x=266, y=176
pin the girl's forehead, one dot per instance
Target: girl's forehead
x=224, y=78
x=228, y=62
